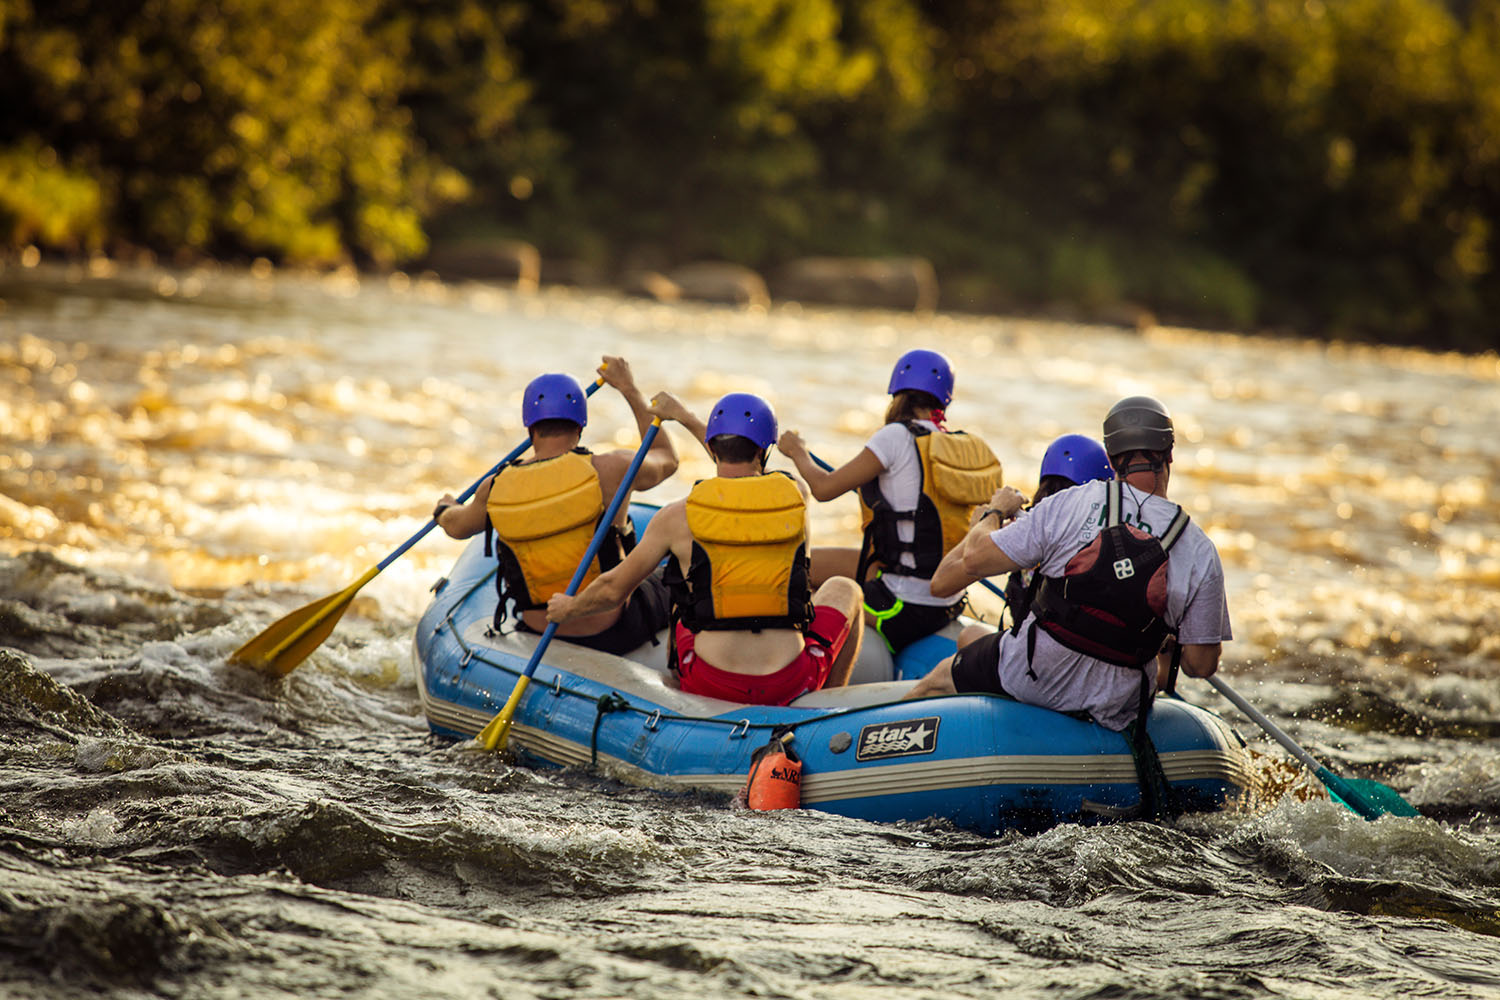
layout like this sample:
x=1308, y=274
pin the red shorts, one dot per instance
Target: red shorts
x=805, y=673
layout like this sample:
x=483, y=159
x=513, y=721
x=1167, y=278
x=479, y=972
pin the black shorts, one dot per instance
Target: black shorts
x=646, y=613
x=907, y=625
x=976, y=667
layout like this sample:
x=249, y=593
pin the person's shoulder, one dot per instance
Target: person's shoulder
x=1080, y=495
x=610, y=463
x=889, y=434
x=1199, y=538
x=797, y=482
x=1198, y=547
x=671, y=515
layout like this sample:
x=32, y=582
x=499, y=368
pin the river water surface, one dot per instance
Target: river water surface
x=185, y=456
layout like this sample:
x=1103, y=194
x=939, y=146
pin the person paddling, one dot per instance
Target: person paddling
x=540, y=513
x=747, y=626
x=1123, y=568
x=918, y=484
x=1069, y=461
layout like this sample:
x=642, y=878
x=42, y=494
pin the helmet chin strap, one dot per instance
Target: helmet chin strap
x=1151, y=465
x=1135, y=467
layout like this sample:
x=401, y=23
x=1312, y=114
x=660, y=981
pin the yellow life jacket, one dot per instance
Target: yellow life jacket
x=749, y=568
x=544, y=515
x=959, y=472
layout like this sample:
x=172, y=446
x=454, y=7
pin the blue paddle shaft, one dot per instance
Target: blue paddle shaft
x=463, y=497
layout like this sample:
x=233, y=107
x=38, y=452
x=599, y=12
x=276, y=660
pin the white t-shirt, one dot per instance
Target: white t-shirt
x=901, y=484
x=1053, y=532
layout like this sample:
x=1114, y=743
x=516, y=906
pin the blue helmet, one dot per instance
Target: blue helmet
x=926, y=371
x=1076, y=458
x=744, y=414
x=554, y=397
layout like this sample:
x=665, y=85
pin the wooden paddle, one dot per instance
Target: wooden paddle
x=494, y=735
x=1369, y=799
x=987, y=585
x=291, y=639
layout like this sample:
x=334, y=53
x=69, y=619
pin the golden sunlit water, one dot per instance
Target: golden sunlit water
x=203, y=450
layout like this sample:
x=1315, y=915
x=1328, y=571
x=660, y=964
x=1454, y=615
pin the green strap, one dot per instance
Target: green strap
x=881, y=617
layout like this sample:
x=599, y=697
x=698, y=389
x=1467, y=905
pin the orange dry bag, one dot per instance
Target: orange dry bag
x=775, y=776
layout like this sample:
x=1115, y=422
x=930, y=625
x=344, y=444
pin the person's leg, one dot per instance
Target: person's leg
x=937, y=681
x=974, y=668
x=973, y=633
x=830, y=561
x=843, y=595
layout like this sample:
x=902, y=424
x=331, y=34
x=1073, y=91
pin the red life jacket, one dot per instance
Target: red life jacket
x=1111, y=601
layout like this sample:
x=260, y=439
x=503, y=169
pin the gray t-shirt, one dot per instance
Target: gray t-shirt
x=1053, y=532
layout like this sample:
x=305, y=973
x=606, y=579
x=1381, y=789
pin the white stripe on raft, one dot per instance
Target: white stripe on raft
x=868, y=781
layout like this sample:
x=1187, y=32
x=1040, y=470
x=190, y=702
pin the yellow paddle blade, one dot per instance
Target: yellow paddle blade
x=494, y=735
x=291, y=639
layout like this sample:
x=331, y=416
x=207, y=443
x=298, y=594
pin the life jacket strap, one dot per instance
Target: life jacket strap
x=1158, y=798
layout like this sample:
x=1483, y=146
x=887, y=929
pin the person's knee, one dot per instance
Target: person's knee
x=842, y=593
x=972, y=634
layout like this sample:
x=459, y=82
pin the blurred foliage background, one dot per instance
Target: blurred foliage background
x=1329, y=166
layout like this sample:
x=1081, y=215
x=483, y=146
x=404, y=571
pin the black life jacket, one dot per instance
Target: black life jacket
x=1111, y=601
x=1020, y=593
x=958, y=473
x=749, y=568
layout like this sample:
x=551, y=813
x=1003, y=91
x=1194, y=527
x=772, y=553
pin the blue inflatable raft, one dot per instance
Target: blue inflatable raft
x=982, y=762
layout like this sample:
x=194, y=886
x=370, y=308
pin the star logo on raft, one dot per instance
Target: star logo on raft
x=906, y=738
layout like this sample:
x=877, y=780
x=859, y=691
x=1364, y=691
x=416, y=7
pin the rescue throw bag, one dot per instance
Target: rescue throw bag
x=775, y=779
x=959, y=473
x=1111, y=601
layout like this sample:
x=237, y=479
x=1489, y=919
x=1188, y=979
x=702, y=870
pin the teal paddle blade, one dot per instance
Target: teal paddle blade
x=1370, y=799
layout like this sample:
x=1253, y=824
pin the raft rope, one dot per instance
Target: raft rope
x=1158, y=797
x=603, y=704
x=611, y=701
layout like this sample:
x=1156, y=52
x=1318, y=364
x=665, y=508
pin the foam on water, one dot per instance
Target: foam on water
x=183, y=462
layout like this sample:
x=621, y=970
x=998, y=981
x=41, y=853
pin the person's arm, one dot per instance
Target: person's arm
x=609, y=590
x=666, y=406
x=827, y=485
x=950, y=578
x=1201, y=659
x=661, y=461
x=981, y=556
x=464, y=520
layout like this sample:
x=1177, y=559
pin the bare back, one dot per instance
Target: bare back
x=740, y=650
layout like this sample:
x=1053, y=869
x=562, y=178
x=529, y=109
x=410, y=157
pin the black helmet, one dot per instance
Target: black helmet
x=1137, y=423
